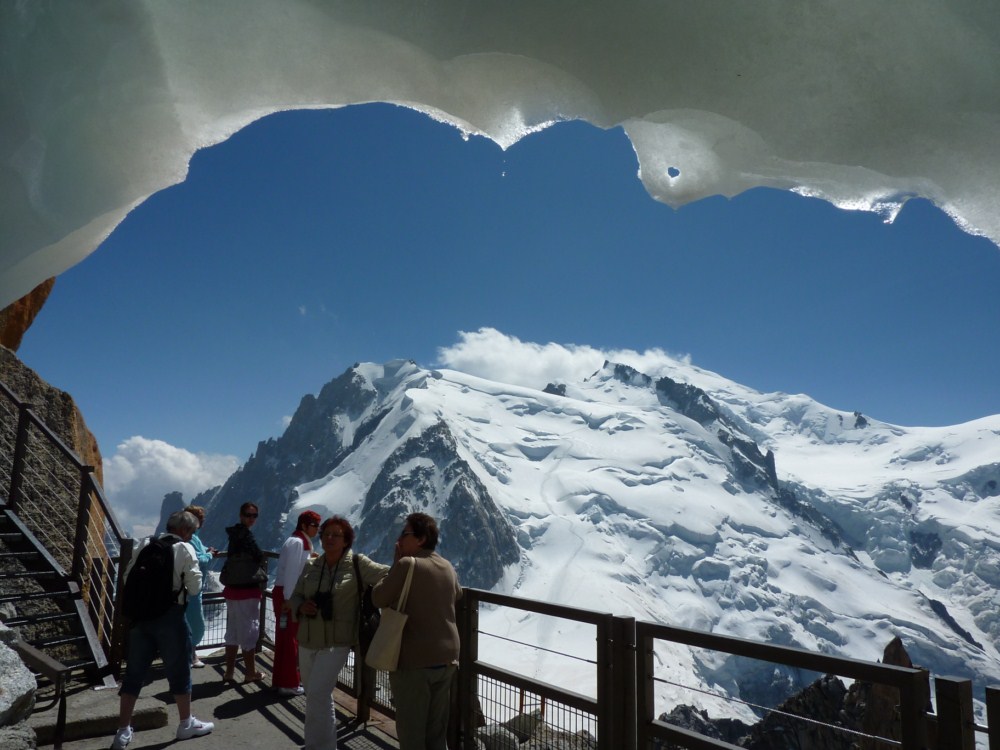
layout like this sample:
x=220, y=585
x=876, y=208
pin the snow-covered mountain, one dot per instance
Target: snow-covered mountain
x=686, y=499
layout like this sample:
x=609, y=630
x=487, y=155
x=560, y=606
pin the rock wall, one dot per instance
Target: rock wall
x=54, y=407
x=18, y=316
x=17, y=696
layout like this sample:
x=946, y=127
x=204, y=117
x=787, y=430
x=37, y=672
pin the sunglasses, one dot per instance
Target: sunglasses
x=407, y=533
x=312, y=524
x=250, y=515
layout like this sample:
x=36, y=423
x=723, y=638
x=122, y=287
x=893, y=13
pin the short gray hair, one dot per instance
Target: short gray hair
x=182, y=522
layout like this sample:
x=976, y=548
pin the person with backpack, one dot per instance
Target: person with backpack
x=161, y=576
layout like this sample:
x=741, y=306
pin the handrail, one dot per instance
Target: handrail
x=911, y=682
x=56, y=673
x=48, y=485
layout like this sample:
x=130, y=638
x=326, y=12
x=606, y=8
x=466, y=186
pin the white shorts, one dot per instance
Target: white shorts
x=242, y=623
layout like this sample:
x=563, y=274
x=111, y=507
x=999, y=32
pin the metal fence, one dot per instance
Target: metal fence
x=58, y=498
x=214, y=609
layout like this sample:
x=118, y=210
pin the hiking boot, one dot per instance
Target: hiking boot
x=193, y=728
x=122, y=738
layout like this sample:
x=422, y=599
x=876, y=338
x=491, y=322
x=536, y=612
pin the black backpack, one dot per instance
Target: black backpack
x=149, y=588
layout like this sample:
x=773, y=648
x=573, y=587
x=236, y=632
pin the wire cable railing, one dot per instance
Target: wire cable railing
x=761, y=709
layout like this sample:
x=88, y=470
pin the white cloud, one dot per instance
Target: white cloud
x=488, y=353
x=142, y=471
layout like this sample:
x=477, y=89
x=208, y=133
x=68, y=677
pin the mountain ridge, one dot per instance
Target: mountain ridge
x=679, y=497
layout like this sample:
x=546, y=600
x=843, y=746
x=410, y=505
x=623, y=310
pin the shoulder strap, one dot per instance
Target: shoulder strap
x=401, y=604
x=357, y=577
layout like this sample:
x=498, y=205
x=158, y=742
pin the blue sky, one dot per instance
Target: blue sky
x=314, y=239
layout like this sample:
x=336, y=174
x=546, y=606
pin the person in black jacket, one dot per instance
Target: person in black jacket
x=243, y=599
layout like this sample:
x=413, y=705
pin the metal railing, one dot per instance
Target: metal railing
x=58, y=497
x=911, y=683
x=214, y=611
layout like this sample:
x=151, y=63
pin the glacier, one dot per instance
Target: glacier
x=865, y=105
x=676, y=496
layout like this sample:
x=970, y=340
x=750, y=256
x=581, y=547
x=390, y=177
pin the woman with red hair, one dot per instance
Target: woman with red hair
x=295, y=553
x=327, y=605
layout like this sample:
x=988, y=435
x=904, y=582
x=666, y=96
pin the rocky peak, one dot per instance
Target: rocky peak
x=427, y=474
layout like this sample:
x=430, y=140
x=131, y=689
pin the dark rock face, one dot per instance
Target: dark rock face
x=822, y=705
x=753, y=468
x=695, y=720
x=689, y=400
x=172, y=502
x=942, y=611
x=18, y=316
x=924, y=547
x=556, y=389
x=313, y=445
x=826, y=715
x=424, y=474
x=630, y=375
x=475, y=535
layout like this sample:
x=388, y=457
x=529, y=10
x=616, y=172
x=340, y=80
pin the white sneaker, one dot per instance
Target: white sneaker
x=291, y=692
x=122, y=738
x=193, y=728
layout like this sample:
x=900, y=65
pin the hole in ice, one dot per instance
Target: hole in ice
x=673, y=172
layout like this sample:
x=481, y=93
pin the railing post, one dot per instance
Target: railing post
x=914, y=697
x=623, y=682
x=117, y=652
x=956, y=723
x=468, y=656
x=262, y=631
x=606, y=713
x=20, y=451
x=644, y=695
x=993, y=716
x=82, y=522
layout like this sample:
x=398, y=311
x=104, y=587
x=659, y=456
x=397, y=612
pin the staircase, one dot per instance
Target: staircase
x=43, y=604
x=61, y=553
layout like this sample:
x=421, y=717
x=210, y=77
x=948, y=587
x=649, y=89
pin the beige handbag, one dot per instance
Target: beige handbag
x=383, y=653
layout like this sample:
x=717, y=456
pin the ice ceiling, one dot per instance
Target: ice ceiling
x=863, y=103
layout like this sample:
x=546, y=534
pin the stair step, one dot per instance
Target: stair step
x=30, y=574
x=22, y=555
x=57, y=641
x=34, y=619
x=35, y=595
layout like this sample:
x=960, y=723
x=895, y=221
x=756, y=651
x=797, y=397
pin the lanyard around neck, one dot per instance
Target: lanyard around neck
x=333, y=576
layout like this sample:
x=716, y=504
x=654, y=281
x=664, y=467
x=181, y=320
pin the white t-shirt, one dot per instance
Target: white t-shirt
x=292, y=559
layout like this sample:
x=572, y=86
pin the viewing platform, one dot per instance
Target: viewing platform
x=251, y=716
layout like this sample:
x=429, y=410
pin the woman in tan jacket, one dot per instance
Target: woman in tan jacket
x=429, y=650
x=325, y=605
